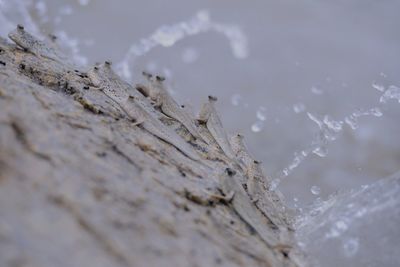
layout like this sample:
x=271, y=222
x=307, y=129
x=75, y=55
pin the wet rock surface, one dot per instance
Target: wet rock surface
x=80, y=185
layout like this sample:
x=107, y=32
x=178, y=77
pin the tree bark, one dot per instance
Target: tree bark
x=80, y=185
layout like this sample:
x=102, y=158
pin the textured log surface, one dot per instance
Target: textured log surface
x=81, y=186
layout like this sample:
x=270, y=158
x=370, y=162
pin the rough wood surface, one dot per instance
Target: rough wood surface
x=81, y=185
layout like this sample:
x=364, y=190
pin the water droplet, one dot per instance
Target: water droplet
x=341, y=225
x=72, y=45
x=332, y=124
x=376, y=112
x=274, y=184
x=378, y=86
x=190, y=55
x=285, y=172
x=257, y=126
x=337, y=229
x=351, y=121
x=364, y=187
x=296, y=161
x=350, y=246
x=261, y=114
x=332, y=233
x=316, y=90
x=317, y=202
x=315, y=119
x=167, y=36
x=361, y=212
x=124, y=70
x=315, y=212
x=321, y=151
x=235, y=99
x=393, y=92
x=315, y=190
x=359, y=112
x=299, y=107
x=238, y=40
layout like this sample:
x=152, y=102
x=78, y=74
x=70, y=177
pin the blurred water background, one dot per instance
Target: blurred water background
x=313, y=85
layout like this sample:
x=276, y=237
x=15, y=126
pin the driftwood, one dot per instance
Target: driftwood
x=81, y=185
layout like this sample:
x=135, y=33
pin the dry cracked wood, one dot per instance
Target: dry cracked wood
x=81, y=185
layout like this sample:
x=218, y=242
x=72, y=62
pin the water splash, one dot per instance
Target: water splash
x=274, y=184
x=337, y=229
x=321, y=151
x=352, y=122
x=297, y=159
x=167, y=36
x=393, y=92
x=17, y=12
x=257, y=126
x=335, y=126
x=347, y=220
x=237, y=39
x=376, y=112
x=315, y=190
x=328, y=131
x=260, y=114
x=378, y=86
x=71, y=45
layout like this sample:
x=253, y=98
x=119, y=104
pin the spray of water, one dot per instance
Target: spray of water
x=168, y=35
x=14, y=12
x=329, y=130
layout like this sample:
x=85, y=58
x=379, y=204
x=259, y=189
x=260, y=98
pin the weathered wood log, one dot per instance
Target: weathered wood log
x=81, y=185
